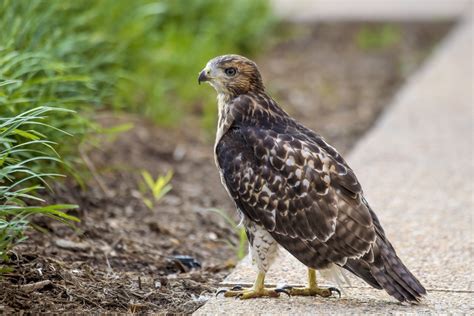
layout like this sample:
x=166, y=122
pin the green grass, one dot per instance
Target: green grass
x=378, y=37
x=239, y=231
x=38, y=67
x=141, y=56
x=174, y=40
x=63, y=61
x=152, y=191
x=23, y=153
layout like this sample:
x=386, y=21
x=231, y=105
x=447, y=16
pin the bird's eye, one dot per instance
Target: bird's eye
x=230, y=71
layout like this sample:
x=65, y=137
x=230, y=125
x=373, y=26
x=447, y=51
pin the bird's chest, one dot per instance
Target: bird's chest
x=224, y=121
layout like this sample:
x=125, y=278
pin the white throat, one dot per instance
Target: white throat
x=223, y=110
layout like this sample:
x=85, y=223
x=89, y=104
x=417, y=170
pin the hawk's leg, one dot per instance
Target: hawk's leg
x=312, y=289
x=258, y=290
x=263, y=249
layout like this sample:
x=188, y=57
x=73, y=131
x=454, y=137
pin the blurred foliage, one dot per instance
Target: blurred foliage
x=23, y=151
x=141, y=56
x=63, y=61
x=40, y=66
x=71, y=59
x=167, y=43
x=378, y=36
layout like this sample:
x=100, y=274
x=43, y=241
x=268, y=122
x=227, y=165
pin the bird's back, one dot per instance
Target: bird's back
x=286, y=178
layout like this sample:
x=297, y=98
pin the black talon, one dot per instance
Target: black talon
x=333, y=289
x=221, y=291
x=283, y=290
x=236, y=288
x=239, y=296
x=286, y=287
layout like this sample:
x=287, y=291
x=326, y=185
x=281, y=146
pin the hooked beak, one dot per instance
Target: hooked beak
x=203, y=77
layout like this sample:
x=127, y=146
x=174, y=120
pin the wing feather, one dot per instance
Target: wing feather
x=287, y=179
x=299, y=190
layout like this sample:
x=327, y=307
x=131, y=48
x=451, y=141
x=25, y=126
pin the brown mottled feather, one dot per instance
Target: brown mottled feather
x=287, y=179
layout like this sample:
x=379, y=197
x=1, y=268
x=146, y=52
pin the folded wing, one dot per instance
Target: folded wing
x=307, y=198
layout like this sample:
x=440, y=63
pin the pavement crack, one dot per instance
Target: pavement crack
x=246, y=284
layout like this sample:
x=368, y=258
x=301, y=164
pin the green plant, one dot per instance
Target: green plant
x=378, y=37
x=23, y=152
x=156, y=188
x=39, y=66
x=239, y=230
x=140, y=56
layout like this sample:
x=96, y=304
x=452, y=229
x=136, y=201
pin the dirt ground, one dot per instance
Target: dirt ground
x=125, y=257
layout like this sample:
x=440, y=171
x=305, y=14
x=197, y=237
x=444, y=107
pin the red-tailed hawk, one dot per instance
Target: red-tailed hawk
x=294, y=190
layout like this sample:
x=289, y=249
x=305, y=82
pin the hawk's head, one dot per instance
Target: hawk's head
x=232, y=75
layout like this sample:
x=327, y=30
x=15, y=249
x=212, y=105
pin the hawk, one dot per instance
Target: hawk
x=295, y=190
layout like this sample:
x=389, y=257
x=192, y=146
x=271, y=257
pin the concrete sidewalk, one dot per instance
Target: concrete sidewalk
x=371, y=10
x=416, y=167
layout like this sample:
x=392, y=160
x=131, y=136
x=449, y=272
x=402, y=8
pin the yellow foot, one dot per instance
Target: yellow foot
x=311, y=291
x=243, y=293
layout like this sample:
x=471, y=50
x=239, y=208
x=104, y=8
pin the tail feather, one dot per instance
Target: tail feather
x=398, y=275
x=388, y=272
x=362, y=269
x=391, y=286
x=404, y=277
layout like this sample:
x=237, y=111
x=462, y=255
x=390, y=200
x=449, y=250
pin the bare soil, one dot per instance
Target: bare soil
x=123, y=256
